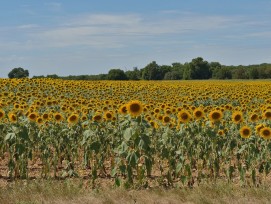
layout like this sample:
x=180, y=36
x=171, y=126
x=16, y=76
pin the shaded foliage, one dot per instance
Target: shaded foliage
x=198, y=69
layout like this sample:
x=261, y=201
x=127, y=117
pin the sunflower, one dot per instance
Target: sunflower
x=108, y=115
x=258, y=128
x=221, y=132
x=39, y=120
x=215, y=115
x=12, y=117
x=253, y=117
x=73, y=118
x=266, y=133
x=198, y=113
x=134, y=108
x=97, y=118
x=58, y=117
x=84, y=117
x=237, y=117
x=123, y=110
x=267, y=114
x=245, y=132
x=166, y=119
x=33, y=116
x=2, y=114
x=154, y=124
x=184, y=116
x=45, y=116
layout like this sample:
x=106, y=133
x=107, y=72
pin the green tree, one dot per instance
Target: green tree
x=133, y=74
x=199, y=69
x=173, y=75
x=18, y=73
x=240, y=73
x=52, y=76
x=116, y=74
x=163, y=70
x=253, y=73
x=179, y=68
x=222, y=73
x=151, y=72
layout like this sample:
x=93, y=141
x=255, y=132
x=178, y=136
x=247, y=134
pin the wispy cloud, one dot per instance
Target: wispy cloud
x=53, y=6
x=110, y=30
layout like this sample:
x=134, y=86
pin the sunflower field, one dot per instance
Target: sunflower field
x=136, y=132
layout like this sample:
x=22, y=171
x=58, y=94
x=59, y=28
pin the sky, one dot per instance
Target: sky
x=68, y=37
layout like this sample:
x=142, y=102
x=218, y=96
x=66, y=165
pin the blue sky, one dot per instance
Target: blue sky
x=68, y=37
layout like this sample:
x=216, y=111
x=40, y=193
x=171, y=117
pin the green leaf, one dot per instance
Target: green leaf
x=128, y=134
x=95, y=146
x=113, y=172
x=117, y=181
x=19, y=148
x=10, y=136
x=24, y=134
x=179, y=167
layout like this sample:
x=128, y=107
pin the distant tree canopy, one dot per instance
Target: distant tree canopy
x=198, y=69
x=18, y=73
x=116, y=74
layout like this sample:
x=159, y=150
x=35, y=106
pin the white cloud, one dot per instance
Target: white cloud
x=110, y=30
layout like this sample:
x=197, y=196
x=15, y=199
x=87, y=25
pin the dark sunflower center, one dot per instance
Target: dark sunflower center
x=166, y=119
x=198, y=113
x=135, y=107
x=97, y=117
x=266, y=133
x=268, y=114
x=108, y=115
x=32, y=116
x=184, y=116
x=254, y=117
x=246, y=131
x=73, y=118
x=57, y=117
x=237, y=117
x=216, y=115
x=124, y=109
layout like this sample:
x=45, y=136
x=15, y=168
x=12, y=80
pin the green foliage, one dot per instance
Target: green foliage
x=116, y=74
x=18, y=73
x=151, y=72
x=198, y=68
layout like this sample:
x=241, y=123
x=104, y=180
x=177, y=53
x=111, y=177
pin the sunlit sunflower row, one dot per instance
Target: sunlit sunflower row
x=139, y=126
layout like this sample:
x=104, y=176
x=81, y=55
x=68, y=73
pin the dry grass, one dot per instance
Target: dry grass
x=76, y=191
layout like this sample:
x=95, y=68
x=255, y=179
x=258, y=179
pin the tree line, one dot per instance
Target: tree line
x=198, y=68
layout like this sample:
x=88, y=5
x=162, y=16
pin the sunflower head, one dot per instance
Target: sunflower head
x=184, y=116
x=135, y=108
x=73, y=119
x=58, y=117
x=267, y=114
x=2, y=114
x=259, y=127
x=245, y=132
x=123, y=110
x=198, y=113
x=98, y=117
x=237, y=117
x=265, y=133
x=39, y=120
x=253, y=117
x=33, y=116
x=108, y=115
x=166, y=119
x=12, y=117
x=215, y=115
